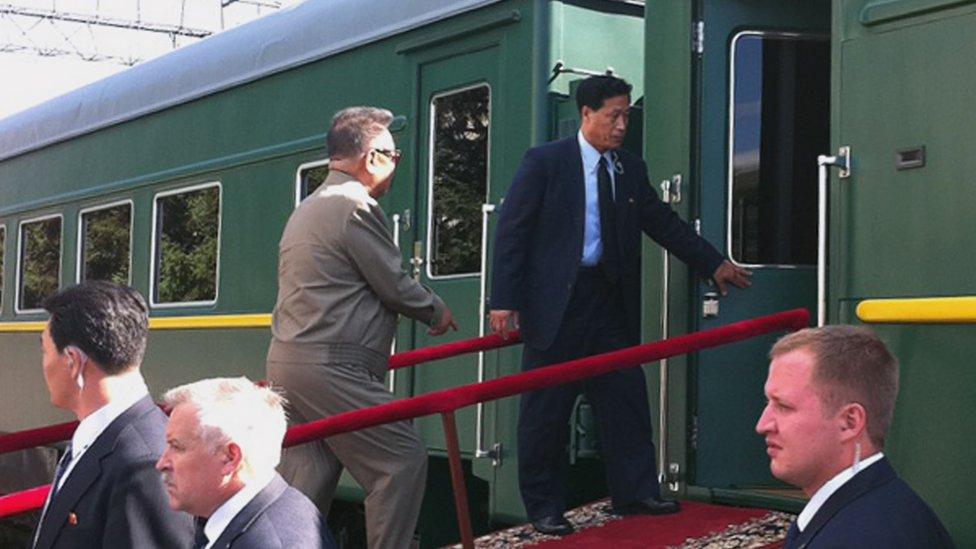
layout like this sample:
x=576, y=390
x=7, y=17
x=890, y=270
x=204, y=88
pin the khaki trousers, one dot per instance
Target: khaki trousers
x=388, y=461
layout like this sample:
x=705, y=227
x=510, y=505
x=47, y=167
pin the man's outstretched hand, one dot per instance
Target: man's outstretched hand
x=728, y=272
x=446, y=322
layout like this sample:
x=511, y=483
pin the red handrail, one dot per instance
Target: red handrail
x=40, y=436
x=449, y=400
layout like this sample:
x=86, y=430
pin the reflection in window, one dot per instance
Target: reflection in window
x=105, y=240
x=459, y=122
x=40, y=261
x=780, y=125
x=3, y=237
x=186, y=246
x=310, y=179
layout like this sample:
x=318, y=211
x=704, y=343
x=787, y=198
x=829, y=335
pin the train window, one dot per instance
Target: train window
x=3, y=237
x=105, y=243
x=186, y=246
x=459, y=122
x=39, y=272
x=779, y=124
x=310, y=176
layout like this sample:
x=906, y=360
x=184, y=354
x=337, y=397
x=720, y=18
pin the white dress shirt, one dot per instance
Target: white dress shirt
x=592, y=245
x=828, y=489
x=95, y=424
x=221, y=518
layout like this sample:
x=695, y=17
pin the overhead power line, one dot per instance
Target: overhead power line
x=100, y=35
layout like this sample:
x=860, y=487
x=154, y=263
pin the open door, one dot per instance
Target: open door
x=758, y=112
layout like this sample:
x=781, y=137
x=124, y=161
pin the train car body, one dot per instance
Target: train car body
x=177, y=177
x=741, y=119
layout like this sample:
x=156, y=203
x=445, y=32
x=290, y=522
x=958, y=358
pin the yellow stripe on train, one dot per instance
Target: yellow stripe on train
x=204, y=322
x=926, y=310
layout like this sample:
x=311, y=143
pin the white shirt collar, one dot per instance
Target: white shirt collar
x=220, y=519
x=95, y=423
x=591, y=156
x=828, y=489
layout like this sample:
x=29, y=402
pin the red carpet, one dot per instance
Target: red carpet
x=694, y=521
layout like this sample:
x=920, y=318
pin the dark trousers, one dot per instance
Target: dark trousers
x=593, y=324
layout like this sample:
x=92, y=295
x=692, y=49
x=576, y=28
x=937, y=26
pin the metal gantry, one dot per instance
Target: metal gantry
x=118, y=31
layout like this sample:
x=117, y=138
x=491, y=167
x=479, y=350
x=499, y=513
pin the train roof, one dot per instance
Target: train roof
x=288, y=38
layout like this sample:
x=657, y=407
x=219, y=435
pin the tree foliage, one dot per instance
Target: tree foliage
x=186, y=268
x=106, y=242
x=312, y=179
x=41, y=261
x=461, y=124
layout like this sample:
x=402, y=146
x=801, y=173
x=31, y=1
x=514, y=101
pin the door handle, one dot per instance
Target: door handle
x=842, y=161
x=710, y=305
x=417, y=261
x=480, y=452
x=393, y=345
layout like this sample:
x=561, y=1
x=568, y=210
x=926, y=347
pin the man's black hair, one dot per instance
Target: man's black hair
x=593, y=91
x=107, y=321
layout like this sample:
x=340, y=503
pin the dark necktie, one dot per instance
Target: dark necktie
x=791, y=535
x=59, y=472
x=61, y=469
x=200, y=538
x=608, y=222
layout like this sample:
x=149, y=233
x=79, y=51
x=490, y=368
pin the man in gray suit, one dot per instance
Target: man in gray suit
x=341, y=285
x=223, y=442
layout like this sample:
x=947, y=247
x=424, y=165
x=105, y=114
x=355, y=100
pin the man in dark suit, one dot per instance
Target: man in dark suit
x=566, y=271
x=223, y=443
x=831, y=397
x=105, y=492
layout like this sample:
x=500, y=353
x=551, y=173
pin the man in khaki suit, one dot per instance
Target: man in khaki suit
x=340, y=287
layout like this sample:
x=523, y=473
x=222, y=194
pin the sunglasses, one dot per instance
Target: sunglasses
x=392, y=154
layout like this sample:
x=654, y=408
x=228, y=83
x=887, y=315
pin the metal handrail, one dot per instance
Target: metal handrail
x=480, y=451
x=446, y=402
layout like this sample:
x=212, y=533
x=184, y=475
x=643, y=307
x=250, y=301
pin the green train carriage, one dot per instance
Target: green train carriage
x=177, y=176
x=206, y=151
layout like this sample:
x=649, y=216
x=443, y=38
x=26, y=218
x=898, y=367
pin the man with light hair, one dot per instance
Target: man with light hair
x=831, y=398
x=341, y=285
x=223, y=442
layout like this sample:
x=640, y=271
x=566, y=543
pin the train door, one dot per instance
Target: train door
x=455, y=125
x=763, y=112
x=741, y=120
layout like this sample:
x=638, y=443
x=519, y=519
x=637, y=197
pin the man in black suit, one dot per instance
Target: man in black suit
x=566, y=271
x=223, y=442
x=831, y=397
x=105, y=492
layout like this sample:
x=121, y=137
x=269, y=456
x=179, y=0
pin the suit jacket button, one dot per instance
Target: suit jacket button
x=569, y=286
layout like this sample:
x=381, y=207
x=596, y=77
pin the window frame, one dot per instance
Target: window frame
x=155, y=236
x=730, y=148
x=298, y=176
x=3, y=262
x=20, y=257
x=79, y=264
x=430, y=175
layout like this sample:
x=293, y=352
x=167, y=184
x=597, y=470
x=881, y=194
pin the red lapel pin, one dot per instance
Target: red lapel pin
x=72, y=519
